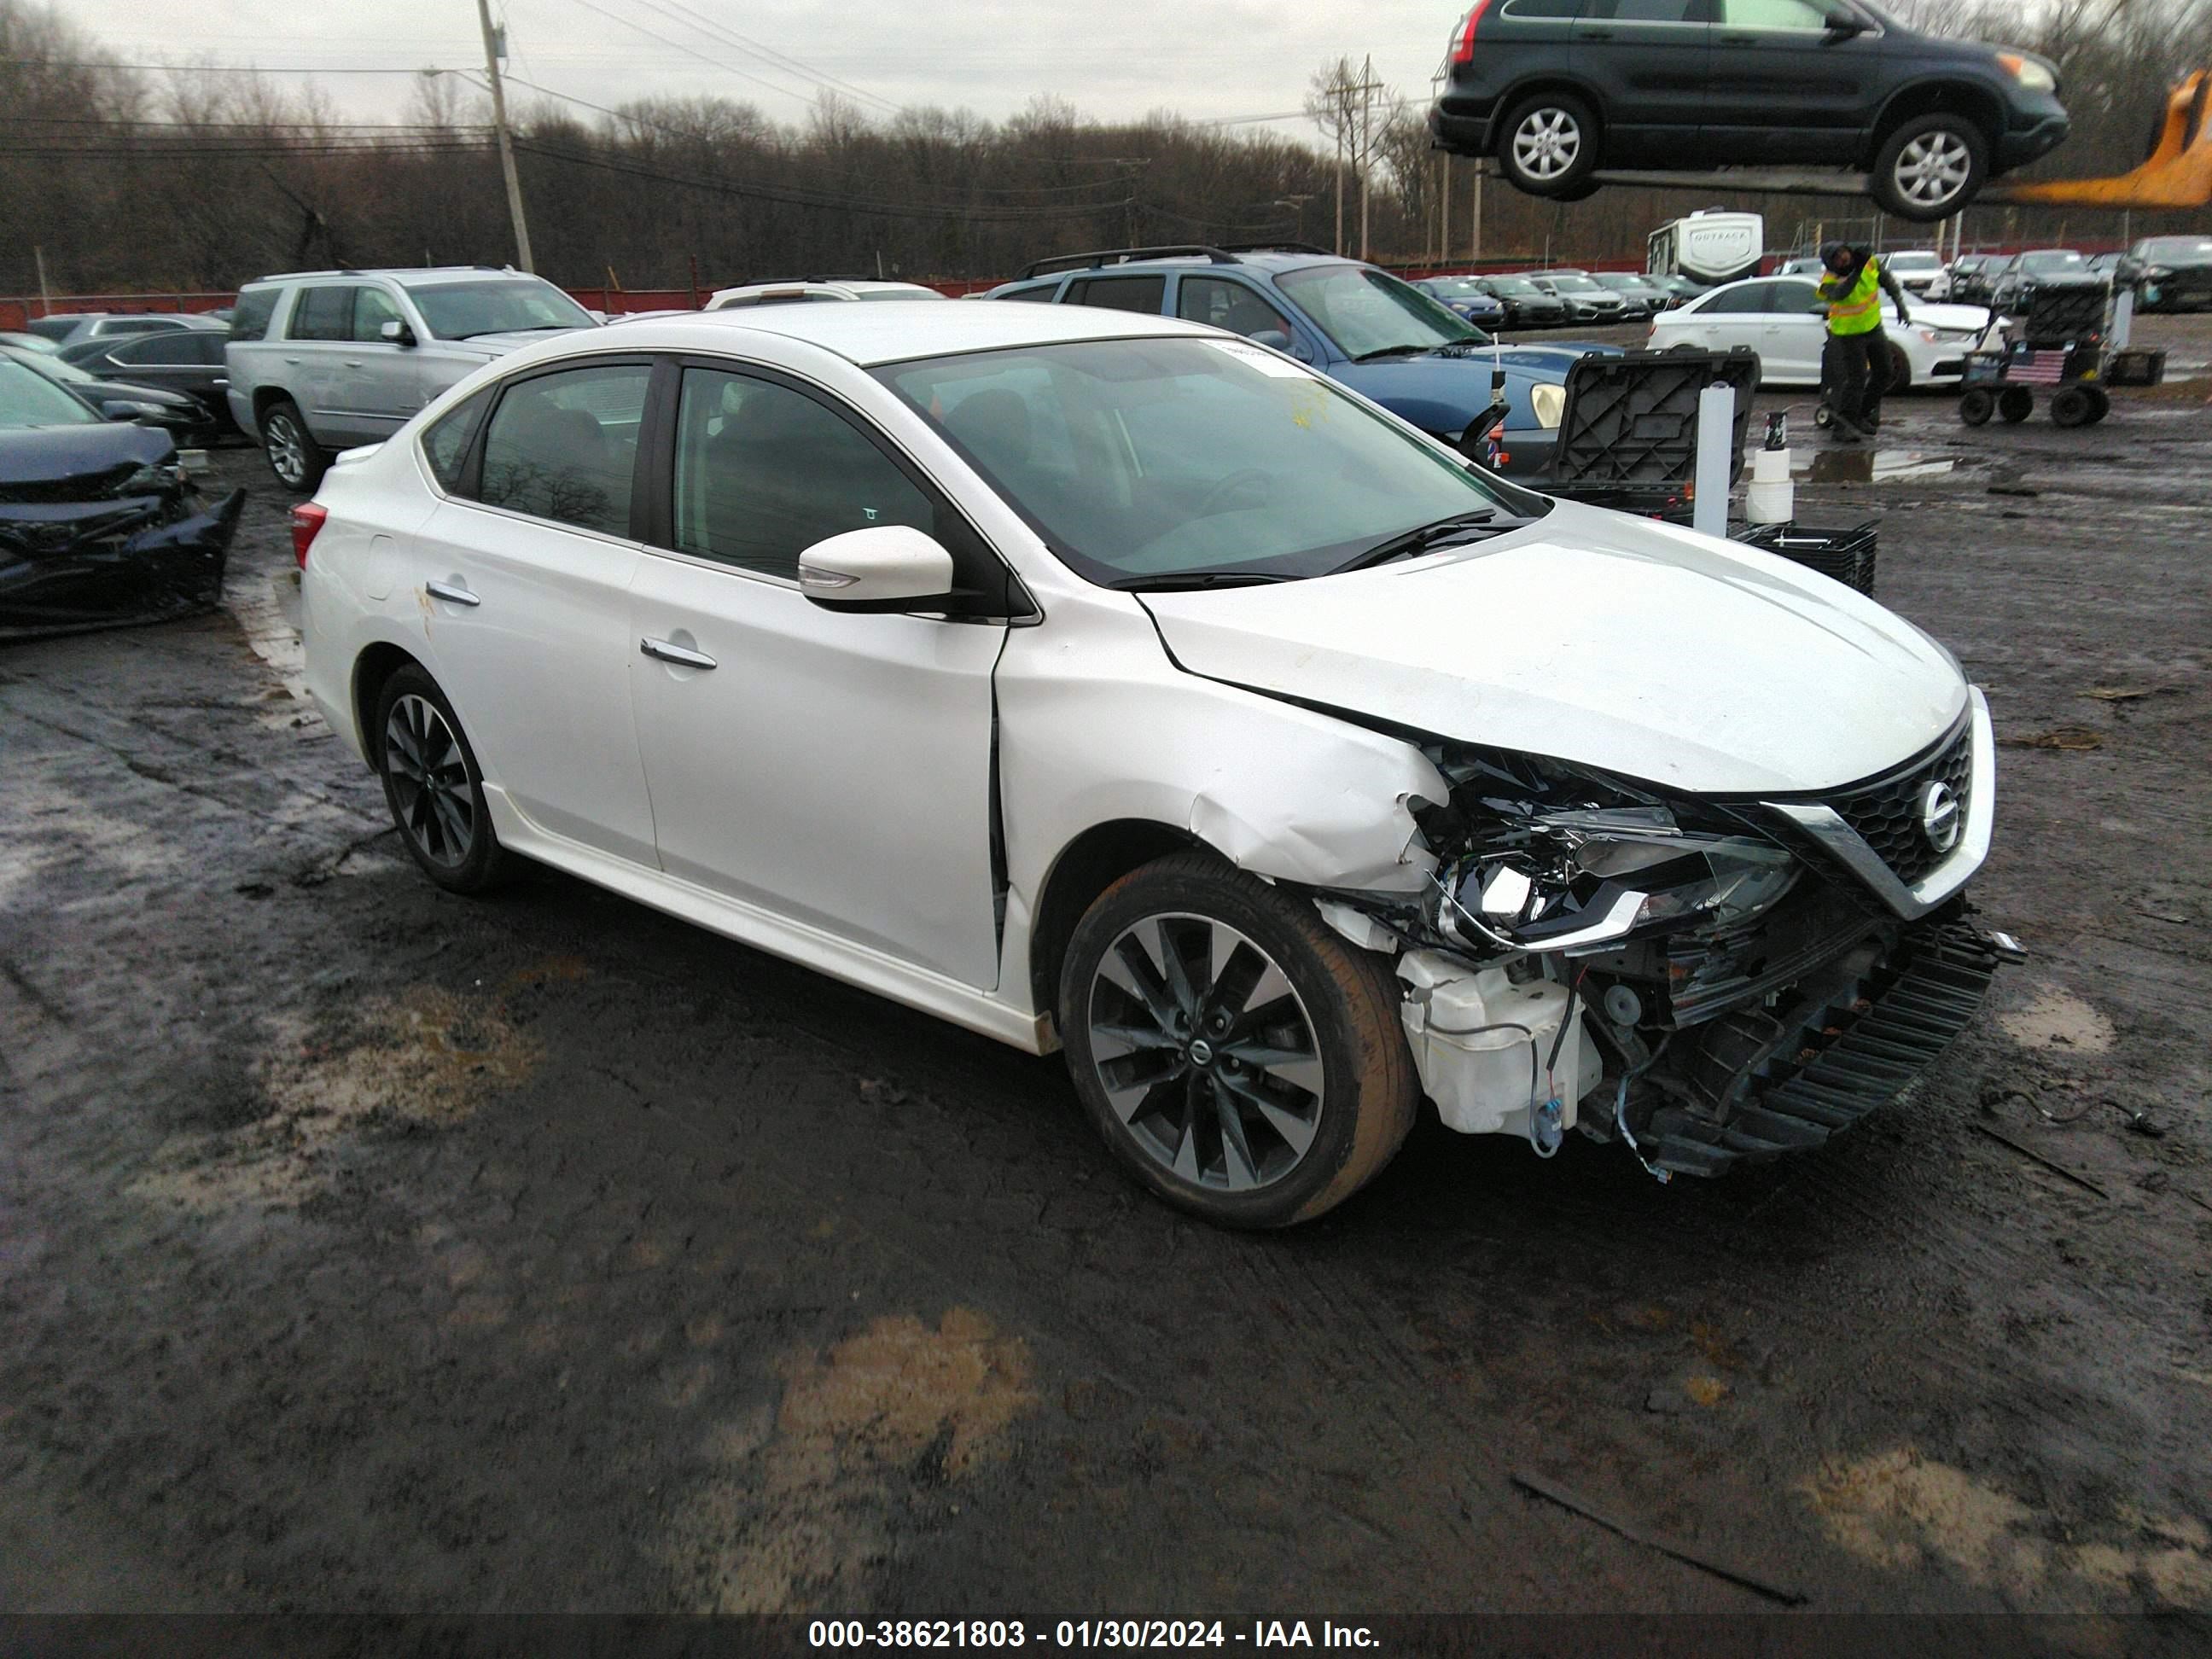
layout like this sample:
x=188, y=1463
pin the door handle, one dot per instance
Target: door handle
x=450, y=593
x=1739, y=40
x=680, y=655
x=353, y=362
x=1597, y=35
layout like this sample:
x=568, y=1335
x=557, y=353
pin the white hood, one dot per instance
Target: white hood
x=1619, y=642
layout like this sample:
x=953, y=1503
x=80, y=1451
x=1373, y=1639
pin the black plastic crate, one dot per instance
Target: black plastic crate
x=1844, y=556
x=2136, y=366
x=1630, y=428
x=2065, y=313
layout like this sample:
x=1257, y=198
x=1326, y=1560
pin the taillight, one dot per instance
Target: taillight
x=1464, y=51
x=307, y=518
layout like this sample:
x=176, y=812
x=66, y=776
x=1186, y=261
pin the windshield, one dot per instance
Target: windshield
x=1519, y=287
x=2042, y=261
x=1620, y=279
x=2178, y=247
x=54, y=368
x=1369, y=314
x=1576, y=285
x=30, y=400
x=456, y=311
x=1141, y=462
x=1914, y=261
x=1457, y=287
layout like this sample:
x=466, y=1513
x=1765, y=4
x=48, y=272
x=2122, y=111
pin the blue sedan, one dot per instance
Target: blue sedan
x=1468, y=298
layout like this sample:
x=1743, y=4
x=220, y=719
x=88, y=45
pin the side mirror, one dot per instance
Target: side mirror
x=1273, y=338
x=397, y=333
x=884, y=567
x=116, y=409
x=1844, y=25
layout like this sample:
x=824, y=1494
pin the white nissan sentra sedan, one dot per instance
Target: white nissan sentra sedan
x=1103, y=681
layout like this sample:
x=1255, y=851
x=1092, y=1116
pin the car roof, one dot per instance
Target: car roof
x=410, y=273
x=869, y=334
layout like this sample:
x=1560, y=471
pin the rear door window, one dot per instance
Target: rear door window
x=1142, y=294
x=172, y=348
x=564, y=447
x=322, y=313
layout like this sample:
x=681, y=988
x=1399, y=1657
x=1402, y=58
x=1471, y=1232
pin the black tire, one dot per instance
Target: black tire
x=1900, y=371
x=294, y=457
x=446, y=826
x=1574, y=138
x=1189, y=1079
x=2072, y=406
x=2014, y=405
x=1930, y=167
x=1976, y=406
x=2101, y=402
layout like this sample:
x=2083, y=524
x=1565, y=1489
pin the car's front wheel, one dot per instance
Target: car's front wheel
x=294, y=457
x=1242, y=1060
x=1931, y=167
x=1547, y=146
x=433, y=785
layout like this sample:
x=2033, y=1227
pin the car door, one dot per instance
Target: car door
x=1648, y=60
x=1795, y=331
x=1733, y=318
x=523, y=573
x=830, y=767
x=378, y=384
x=1787, y=86
x=185, y=360
x=318, y=338
x=1227, y=302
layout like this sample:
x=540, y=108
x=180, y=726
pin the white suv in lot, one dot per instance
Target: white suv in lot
x=1105, y=682
x=322, y=361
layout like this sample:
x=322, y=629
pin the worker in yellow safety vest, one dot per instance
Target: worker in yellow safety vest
x=1856, y=366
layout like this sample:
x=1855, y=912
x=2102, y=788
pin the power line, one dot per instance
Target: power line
x=713, y=29
x=688, y=51
x=206, y=68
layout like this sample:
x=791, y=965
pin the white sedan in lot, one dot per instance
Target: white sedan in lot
x=1782, y=319
x=1104, y=682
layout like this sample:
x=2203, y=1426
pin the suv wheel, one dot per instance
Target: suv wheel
x=432, y=784
x=1547, y=146
x=1242, y=1060
x=294, y=457
x=1930, y=168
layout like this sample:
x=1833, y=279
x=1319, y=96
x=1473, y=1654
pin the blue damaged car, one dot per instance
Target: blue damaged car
x=1382, y=337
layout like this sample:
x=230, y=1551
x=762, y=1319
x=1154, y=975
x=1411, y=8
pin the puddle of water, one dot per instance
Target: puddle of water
x=1856, y=466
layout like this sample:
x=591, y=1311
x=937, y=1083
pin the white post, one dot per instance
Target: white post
x=1715, y=458
x=46, y=300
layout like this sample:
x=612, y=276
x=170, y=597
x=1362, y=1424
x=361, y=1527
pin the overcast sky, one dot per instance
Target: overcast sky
x=1204, y=59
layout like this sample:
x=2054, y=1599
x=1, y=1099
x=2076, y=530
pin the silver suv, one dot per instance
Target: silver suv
x=327, y=360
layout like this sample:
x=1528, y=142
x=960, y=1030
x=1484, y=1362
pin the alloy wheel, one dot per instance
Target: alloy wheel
x=1933, y=168
x=287, y=454
x=1547, y=144
x=430, y=781
x=1206, y=1053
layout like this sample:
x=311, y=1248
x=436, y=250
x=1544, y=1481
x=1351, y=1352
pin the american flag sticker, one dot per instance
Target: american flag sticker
x=2037, y=368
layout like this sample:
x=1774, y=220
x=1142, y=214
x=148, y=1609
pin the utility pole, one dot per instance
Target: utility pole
x=1474, y=252
x=1443, y=214
x=505, y=145
x=1339, y=190
x=1366, y=144
x=46, y=300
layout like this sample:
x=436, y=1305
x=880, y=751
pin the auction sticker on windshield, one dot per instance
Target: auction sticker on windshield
x=1261, y=359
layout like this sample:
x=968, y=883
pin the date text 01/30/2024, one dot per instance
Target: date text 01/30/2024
x=1085, y=1634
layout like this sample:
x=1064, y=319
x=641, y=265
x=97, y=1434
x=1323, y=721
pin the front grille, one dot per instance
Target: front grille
x=1887, y=815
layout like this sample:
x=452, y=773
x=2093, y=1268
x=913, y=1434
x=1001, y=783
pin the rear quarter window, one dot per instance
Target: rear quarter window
x=446, y=445
x=249, y=319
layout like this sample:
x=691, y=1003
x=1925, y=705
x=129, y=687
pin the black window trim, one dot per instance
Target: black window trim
x=469, y=492
x=1014, y=606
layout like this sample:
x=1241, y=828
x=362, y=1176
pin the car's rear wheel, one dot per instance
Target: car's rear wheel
x=1931, y=167
x=433, y=785
x=1243, y=1061
x=1900, y=370
x=1547, y=146
x=294, y=457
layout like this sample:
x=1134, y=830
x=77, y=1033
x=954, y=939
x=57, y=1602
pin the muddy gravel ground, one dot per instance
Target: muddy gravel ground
x=363, y=1248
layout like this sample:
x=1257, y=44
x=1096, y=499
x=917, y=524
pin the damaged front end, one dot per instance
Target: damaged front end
x=1704, y=979
x=100, y=527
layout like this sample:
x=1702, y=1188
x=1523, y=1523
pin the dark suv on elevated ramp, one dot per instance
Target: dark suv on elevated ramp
x=1558, y=89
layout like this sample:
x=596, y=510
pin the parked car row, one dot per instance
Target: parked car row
x=1560, y=298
